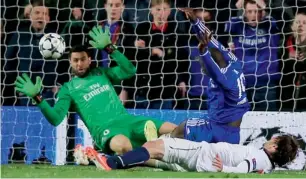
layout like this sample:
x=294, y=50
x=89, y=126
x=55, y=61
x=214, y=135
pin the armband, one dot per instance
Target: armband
x=110, y=48
x=37, y=99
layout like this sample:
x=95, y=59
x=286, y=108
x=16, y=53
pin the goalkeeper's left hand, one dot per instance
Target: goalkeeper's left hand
x=25, y=85
x=100, y=38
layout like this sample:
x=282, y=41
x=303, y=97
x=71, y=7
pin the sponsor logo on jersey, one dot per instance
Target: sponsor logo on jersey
x=252, y=42
x=77, y=87
x=212, y=84
x=96, y=90
x=106, y=132
x=260, y=32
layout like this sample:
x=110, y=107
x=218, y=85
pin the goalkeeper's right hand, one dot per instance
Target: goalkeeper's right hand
x=24, y=85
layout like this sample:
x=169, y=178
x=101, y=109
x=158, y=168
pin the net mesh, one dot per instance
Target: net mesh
x=168, y=76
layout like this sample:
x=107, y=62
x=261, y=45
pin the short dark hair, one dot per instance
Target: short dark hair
x=287, y=148
x=246, y=2
x=79, y=48
x=123, y=1
x=301, y=11
x=158, y=2
x=38, y=3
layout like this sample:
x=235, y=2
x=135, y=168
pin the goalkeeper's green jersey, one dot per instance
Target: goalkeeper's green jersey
x=93, y=97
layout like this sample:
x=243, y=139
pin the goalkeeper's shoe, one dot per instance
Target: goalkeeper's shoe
x=98, y=159
x=150, y=131
x=80, y=156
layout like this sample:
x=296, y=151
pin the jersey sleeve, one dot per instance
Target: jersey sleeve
x=214, y=71
x=228, y=56
x=57, y=114
x=124, y=70
x=257, y=162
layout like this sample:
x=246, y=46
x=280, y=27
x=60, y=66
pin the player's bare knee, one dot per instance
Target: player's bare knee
x=179, y=131
x=155, y=148
x=166, y=128
x=120, y=144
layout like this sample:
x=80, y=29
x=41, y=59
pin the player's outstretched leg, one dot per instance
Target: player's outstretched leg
x=170, y=150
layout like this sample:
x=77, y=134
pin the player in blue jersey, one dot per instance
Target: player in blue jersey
x=227, y=99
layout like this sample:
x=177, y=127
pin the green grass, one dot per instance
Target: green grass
x=47, y=171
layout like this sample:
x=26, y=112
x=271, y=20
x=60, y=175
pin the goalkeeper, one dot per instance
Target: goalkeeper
x=91, y=94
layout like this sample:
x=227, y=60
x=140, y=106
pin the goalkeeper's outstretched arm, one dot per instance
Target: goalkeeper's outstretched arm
x=54, y=115
x=124, y=70
x=101, y=40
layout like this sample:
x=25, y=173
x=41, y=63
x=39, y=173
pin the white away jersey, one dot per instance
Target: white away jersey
x=235, y=158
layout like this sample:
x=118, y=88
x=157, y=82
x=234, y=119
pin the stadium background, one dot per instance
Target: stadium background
x=26, y=137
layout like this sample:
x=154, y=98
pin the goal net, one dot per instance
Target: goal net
x=268, y=37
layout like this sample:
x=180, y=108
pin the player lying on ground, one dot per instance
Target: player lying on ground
x=206, y=157
x=227, y=101
x=91, y=94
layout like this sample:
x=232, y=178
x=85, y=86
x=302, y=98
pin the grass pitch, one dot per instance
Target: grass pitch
x=70, y=171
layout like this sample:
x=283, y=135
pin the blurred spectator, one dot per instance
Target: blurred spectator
x=122, y=34
x=137, y=11
x=256, y=42
x=198, y=82
x=279, y=9
x=23, y=56
x=294, y=70
x=160, y=60
x=12, y=15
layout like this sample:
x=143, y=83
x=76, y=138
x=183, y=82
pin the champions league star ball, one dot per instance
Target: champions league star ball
x=52, y=46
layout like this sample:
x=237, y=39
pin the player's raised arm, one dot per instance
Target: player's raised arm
x=54, y=115
x=101, y=40
x=200, y=28
x=212, y=64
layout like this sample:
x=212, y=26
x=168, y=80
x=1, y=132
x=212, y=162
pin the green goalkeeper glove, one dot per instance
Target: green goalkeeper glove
x=100, y=39
x=24, y=85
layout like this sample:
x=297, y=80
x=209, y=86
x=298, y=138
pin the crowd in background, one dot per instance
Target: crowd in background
x=268, y=36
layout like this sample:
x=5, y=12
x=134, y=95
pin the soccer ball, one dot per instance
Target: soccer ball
x=52, y=45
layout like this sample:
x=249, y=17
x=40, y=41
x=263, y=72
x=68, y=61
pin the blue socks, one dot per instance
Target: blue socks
x=134, y=157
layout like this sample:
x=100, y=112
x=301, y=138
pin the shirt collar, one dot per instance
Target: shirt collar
x=163, y=28
x=271, y=160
